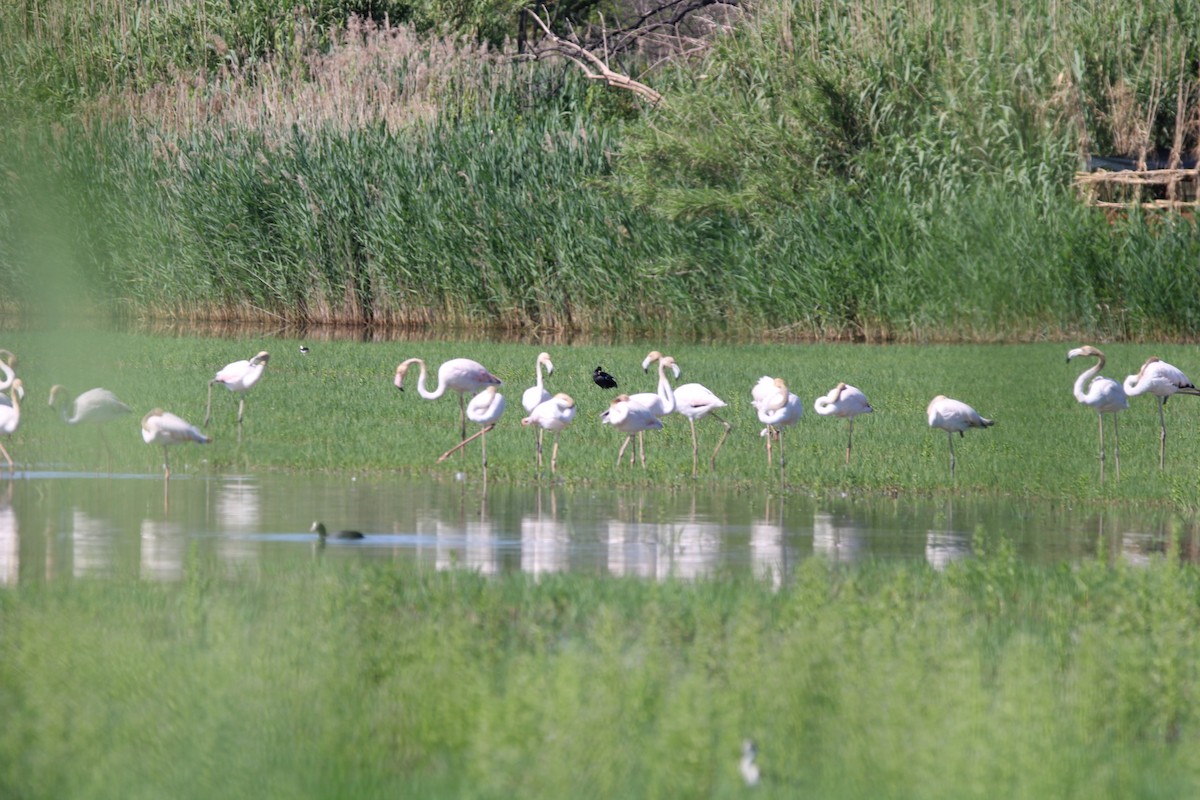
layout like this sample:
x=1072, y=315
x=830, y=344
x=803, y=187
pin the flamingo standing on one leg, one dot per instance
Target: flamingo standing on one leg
x=165, y=429
x=845, y=401
x=460, y=375
x=1161, y=380
x=239, y=377
x=10, y=417
x=630, y=418
x=777, y=408
x=95, y=407
x=537, y=394
x=953, y=417
x=554, y=415
x=484, y=409
x=1103, y=394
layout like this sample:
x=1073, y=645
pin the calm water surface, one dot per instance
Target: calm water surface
x=56, y=526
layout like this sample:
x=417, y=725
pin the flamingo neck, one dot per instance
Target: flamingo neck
x=421, y=388
x=1084, y=377
x=664, y=390
x=9, y=375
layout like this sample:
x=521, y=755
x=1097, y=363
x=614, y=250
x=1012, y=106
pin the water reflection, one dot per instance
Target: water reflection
x=64, y=526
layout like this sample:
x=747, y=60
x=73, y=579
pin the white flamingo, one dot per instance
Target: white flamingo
x=777, y=408
x=238, y=377
x=10, y=417
x=165, y=429
x=953, y=416
x=843, y=401
x=484, y=409
x=555, y=415
x=696, y=402
x=661, y=403
x=461, y=375
x=630, y=418
x=94, y=407
x=1105, y=395
x=1162, y=380
x=537, y=394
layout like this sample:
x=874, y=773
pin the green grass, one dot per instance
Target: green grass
x=326, y=680
x=336, y=409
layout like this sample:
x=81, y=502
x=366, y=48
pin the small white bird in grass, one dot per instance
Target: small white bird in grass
x=165, y=429
x=1103, y=394
x=555, y=415
x=239, y=377
x=777, y=408
x=953, y=416
x=461, y=375
x=843, y=401
x=630, y=418
x=1162, y=380
x=94, y=407
x=10, y=417
x=748, y=764
x=484, y=409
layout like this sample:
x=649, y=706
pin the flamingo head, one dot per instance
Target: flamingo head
x=18, y=389
x=1086, y=350
x=668, y=361
x=1149, y=361
x=402, y=370
x=565, y=400
x=55, y=391
x=8, y=357
x=650, y=358
x=544, y=359
x=262, y=358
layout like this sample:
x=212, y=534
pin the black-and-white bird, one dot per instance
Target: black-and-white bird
x=603, y=379
x=304, y=349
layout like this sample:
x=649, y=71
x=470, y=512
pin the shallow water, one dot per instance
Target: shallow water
x=63, y=525
x=69, y=524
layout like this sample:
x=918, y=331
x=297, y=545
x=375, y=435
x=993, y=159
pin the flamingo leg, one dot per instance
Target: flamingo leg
x=770, y=436
x=712, y=462
x=1117, y=443
x=950, y=437
x=1162, y=436
x=782, y=462
x=7, y=457
x=695, y=446
x=166, y=464
x=241, y=408
x=462, y=416
x=554, y=456
x=642, y=450
x=464, y=443
x=540, y=431
x=483, y=449
x=849, y=441
x=1101, y=417
x=208, y=406
x=621, y=452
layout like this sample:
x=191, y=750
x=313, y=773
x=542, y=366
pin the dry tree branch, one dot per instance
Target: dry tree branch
x=592, y=65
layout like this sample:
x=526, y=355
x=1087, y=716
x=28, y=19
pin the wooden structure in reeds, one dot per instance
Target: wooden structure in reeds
x=1150, y=183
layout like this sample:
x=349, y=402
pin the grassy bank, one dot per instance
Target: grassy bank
x=318, y=680
x=336, y=409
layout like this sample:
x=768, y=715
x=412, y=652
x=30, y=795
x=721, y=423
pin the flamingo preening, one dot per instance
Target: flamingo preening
x=165, y=429
x=844, y=401
x=93, y=407
x=953, y=416
x=461, y=375
x=484, y=409
x=1105, y=395
x=630, y=418
x=10, y=417
x=1162, y=380
x=555, y=414
x=777, y=408
x=238, y=377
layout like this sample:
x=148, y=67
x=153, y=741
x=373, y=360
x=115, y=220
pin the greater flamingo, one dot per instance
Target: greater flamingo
x=630, y=418
x=696, y=402
x=165, y=429
x=7, y=362
x=460, y=375
x=554, y=415
x=238, y=377
x=95, y=407
x=10, y=417
x=660, y=403
x=1161, y=380
x=953, y=416
x=537, y=394
x=1103, y=394
x=484, y=409
x=844, y=401
x=777, y=408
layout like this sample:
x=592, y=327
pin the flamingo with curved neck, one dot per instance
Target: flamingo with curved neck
x=846, y=401
x=1103, y=394
x=461, y=375
x=1162, y=380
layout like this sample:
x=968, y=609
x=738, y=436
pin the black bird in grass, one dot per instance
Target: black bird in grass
x=603, y=379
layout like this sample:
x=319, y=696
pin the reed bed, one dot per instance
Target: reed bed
x=330, y=680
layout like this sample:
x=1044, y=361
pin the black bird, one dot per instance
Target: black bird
x=603, y=379
x=319, y=529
